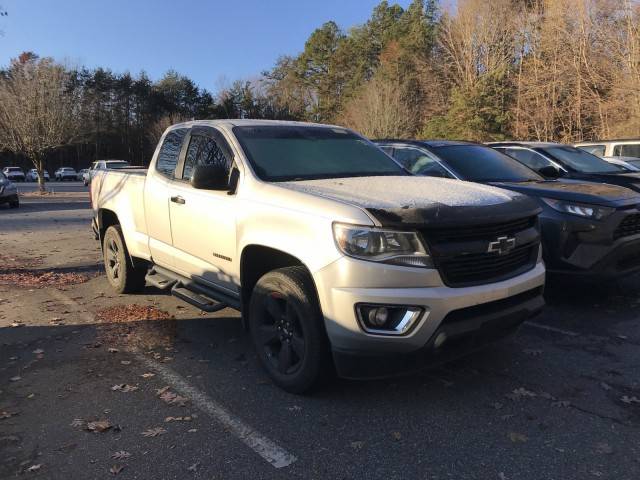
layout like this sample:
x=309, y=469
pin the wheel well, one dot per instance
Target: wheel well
x=257, y=260
x=106, y=218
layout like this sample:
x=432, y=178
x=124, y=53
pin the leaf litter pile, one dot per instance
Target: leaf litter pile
x=38, y=279
x=136, y=326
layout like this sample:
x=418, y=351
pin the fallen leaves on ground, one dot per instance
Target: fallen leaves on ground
x=5, y=414
x=396, y=436
x=154, y=432
x=34, y=468
x=15, y=379
x=170, y=397
x=12, y=262
x=629, y=400
x=121, y=455
x=148, y=375
x=99, y=426
x=516, y=437
x=177, y=419
x=123, y=387
x=37, y=279
x=131, y=313
x=520, y=393
x=116, y=469
x=141, y=327
x=357, y=445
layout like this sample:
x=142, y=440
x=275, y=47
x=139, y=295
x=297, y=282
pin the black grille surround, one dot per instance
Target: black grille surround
x=461, y=253
x=630, y=225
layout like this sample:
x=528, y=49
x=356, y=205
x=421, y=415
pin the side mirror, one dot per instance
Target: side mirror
x=210, y=177
x=550, y=172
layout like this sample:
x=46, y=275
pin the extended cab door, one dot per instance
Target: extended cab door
x=157, y=195
x=203, y=222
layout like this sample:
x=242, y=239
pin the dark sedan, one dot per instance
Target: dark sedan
x=587, y=228
x=556, y=160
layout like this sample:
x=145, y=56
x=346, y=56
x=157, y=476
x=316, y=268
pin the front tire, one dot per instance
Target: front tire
x=287, y=329
x=14, y=203
x=123, y=276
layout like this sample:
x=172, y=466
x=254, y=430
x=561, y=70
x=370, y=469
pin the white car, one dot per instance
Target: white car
x=15, y=174
x=82, y=175
x=65, y=173
x=32, y=176
x=8, y=192
x=104, y=165
x=335, y=255
x=628, y=147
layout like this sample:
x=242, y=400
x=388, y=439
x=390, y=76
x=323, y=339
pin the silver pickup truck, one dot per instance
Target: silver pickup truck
x=337, y=258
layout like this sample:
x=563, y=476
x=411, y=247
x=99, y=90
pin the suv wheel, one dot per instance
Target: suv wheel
x=123, y=276
x=14, y=203
x=287, y=329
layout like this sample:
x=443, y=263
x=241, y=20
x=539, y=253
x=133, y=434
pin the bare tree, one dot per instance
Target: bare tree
x=381, y=110
x=38, y=110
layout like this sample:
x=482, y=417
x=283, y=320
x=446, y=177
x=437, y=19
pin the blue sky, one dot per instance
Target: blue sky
x=209, y=41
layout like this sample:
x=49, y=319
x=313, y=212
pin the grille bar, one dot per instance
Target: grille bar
x=460, y=268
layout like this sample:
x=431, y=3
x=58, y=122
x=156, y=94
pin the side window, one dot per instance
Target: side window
x=531, y=159
x=419, y=163
x=597, y=150
x=203, y=150
x=170, y=151
x=629, y=150
x=387, y=150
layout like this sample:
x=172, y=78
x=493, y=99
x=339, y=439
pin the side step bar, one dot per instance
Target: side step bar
x=200, y=296
x=197, y=300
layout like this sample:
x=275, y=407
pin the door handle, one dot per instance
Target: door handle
x=178, y=199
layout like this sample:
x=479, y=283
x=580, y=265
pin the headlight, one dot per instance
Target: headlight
x=594, y=212
x=380, y=245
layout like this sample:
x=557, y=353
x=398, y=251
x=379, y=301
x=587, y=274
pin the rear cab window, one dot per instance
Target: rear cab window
x=170, y=151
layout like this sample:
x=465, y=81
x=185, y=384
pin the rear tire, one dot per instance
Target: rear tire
x=123, y=276
x=15, y=203
x=287, y=330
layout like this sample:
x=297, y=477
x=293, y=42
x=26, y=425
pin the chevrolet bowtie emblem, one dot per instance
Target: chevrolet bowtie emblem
x=502, y=245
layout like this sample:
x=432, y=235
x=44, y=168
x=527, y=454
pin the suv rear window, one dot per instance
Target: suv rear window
x=593, y=149
x=628, y=150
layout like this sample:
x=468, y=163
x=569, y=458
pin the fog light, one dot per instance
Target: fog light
x=378, y=316
x=439, y=340
x=387, y=319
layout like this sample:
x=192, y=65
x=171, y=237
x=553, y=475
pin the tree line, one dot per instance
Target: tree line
x=561, y=70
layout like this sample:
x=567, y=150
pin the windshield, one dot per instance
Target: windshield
x=581, y=161
x=286, y=152
x=122, y=164
x=478, y=163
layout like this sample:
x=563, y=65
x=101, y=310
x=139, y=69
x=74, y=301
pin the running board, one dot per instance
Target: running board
x=196, y=299
x=206, y=299
x=158, y=280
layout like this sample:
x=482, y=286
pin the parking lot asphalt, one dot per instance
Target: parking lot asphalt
x=52, y=186
x=560, y=400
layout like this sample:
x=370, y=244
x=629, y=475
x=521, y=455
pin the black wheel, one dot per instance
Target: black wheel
x=15, y=202
x=287, y=329
x=123, y=276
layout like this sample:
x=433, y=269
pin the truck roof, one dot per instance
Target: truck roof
x=247, y=122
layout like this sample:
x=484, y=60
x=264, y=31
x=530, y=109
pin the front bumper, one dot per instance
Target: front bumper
x=577, y=246
x=415, y=287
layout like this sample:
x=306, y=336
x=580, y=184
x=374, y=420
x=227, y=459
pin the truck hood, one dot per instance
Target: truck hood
x=576, y=191
x=409, y=200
